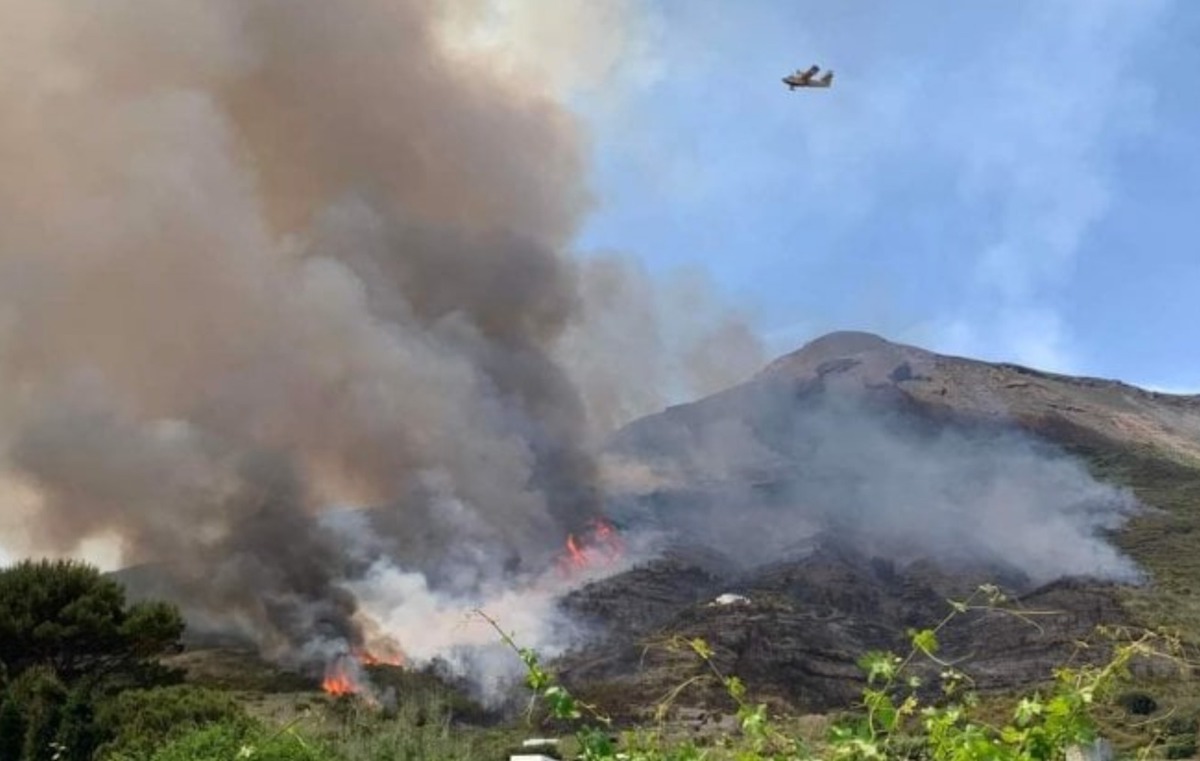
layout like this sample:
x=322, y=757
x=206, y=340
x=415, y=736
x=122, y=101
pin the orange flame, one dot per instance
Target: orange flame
x=344, y=675
x=340, y=678
x=599, y=545
x=574, y=554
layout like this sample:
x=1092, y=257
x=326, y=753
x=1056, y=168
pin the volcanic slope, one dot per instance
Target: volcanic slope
x=851, y=487
x=1080, y=413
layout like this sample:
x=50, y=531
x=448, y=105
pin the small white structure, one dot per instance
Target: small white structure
x=537, y=749
x=730, y=599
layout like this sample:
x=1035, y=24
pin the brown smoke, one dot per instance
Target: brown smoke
x=263, y=256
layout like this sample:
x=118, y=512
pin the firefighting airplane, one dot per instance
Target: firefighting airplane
x=805, y=78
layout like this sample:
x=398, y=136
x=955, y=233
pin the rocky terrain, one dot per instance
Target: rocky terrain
x=794, y=630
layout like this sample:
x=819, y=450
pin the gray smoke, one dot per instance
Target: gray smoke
x=264, y=257
x=773, y=473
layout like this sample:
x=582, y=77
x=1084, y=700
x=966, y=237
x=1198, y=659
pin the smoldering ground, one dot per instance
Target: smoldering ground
x=260, y=258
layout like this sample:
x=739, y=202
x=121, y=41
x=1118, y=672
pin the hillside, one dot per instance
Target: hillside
x=848, y=489
x=731, y=473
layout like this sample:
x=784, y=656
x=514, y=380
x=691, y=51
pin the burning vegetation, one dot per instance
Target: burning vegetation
x=598, y=546
x=346, y=673
x=343, y=676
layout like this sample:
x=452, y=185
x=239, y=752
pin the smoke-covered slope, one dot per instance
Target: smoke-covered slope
x=911, y=453
x=855, y=484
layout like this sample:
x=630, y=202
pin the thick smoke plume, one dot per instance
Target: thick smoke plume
x=260, y=258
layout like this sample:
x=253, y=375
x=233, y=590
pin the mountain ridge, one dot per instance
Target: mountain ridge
x=838, y=343
x=972, y=390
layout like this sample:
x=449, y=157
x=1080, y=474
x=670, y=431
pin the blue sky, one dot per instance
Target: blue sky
x=1013, y=180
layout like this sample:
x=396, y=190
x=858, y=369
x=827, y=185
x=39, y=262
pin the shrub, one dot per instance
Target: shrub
x=233, y=740
x=419, y=729
x=78, y=733
x=34, y=703
x=138, y=721
x=12, y=728
x=1182, y=725
x=1181, y=748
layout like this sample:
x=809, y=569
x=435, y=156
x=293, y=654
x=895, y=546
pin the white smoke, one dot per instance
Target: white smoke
x=758, y=478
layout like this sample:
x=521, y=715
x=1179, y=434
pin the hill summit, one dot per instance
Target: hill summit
x=1068, y=410
x=1060, y=406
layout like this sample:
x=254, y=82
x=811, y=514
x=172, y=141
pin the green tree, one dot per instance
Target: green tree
x=69, y=640
x=68, y=617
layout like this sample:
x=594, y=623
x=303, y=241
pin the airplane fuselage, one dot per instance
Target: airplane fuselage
x=792, y=85
x=805, y=79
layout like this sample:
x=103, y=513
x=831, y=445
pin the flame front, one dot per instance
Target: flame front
x=599, y=545
x=344, y=674
x=340, y=678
